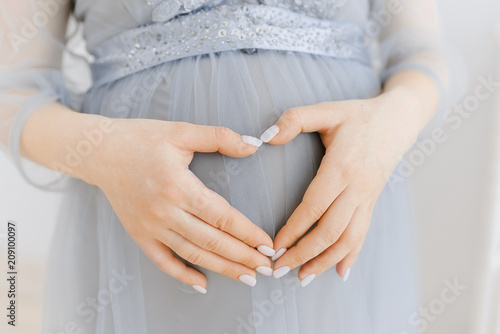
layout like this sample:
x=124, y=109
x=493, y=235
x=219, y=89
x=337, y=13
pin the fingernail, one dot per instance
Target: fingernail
x=265, y=270
x=199, y=289
x=270, y=133
x=281, y=271
x=346, y=275
x=278, y=254
x=251, y=141
x=247, y=279
x=266, y=250
x=308, y=279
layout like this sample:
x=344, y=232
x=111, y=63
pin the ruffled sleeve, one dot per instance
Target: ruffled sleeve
x=410, y=37
x=32, y=34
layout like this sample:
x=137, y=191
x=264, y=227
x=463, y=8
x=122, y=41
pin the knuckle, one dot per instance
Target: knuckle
x=213, y=245
x=202, y=199
x=300, y=258
x=226, y=269
x=172, y=191
x=196, y=258
x=223, y=223
x=318, y=264
x=180, y=220
x=313, y=211
x=222, y=134
x=320, y=247
x=157, y=212
x=348, y=246
x=293, y=115
x=351, y=242
x=323, y=262
x=332, y=234
x=248, y=259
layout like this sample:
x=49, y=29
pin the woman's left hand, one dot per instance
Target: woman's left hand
x=364, y=141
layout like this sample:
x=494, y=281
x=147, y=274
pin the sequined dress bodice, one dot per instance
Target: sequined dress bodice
x=99, y=25
x=145, y=33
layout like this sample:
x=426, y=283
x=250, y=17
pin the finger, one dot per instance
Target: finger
x=200, y=257
x=313, y=118
x=329, y=229
x=344, y=266
x=167, y=262
x=203, y=138
x=212, y=208
x=347, y=247
x=326, y=186
x=216, y=241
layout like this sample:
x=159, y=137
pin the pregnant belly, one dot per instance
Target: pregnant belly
x=246, y=92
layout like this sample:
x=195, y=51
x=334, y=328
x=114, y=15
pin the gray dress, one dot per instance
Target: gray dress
x=238, y=64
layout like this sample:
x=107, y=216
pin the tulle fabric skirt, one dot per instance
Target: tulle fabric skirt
x=100, y=281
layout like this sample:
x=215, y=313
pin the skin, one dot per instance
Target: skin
x=364, y=141
x=172, y=211
x=142, y=167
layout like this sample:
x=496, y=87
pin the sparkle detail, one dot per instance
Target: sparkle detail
x=221, y=28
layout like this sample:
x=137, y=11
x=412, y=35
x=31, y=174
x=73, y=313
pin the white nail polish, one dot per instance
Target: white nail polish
x=270, y=133
x=346, y=275
x=278, y=254
x=266, y=250
x=199, y=289
x=281, y=271
x=251, y=141
x=265, y=270
x=247, y=279
x=308, y=279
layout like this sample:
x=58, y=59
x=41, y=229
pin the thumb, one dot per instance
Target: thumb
x=313, y=118
x=203, y=138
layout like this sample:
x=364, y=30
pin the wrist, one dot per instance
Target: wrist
x=415, y=93
x=69, y=142
x=94, y=145
x=402, y=110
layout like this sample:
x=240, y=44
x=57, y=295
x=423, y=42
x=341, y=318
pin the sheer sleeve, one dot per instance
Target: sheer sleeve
x=31, y=34
x=410, y=37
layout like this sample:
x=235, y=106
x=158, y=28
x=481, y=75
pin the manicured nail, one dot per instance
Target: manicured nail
x=281, y=271
x=265, y=270
x=270, y=133
x=247, y=279
x=199, y=289
x=346, y=275
x=251, y=141
x=308, y=279
x=278, y=254
x=266, y=250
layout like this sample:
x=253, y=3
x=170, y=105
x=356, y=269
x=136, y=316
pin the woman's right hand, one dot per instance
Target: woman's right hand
x=142, y=167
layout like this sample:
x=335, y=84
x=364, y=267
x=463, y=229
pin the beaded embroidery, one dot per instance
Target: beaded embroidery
x=164, y=10
x=325, y=9
x=220, y=28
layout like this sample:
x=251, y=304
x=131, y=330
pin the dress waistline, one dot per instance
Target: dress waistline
x=223, y=28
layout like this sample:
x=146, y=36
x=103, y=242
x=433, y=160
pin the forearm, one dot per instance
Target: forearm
x=59, y=138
